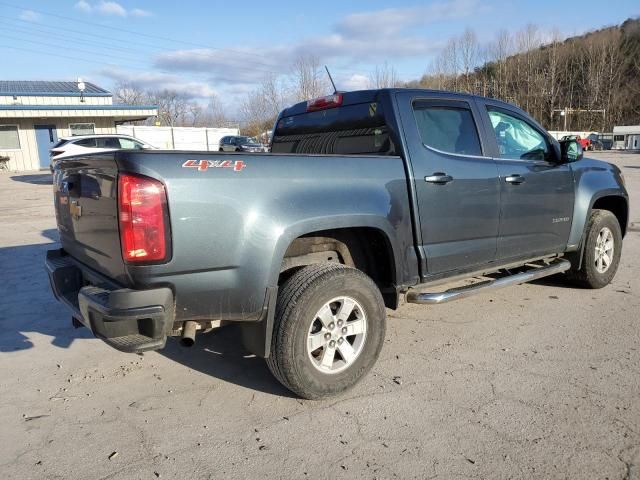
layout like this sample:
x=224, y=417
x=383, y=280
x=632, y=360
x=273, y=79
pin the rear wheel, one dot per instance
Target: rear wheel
x=328, y=331
x=601, y=257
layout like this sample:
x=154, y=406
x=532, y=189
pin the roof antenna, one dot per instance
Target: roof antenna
x=335, y=90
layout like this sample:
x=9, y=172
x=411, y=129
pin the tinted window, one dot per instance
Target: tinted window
x=348, y=130
x=60, y=143
x=87, y=142
x=517, y=139
x=127, y=143
x=107, y=142
x=448, y=129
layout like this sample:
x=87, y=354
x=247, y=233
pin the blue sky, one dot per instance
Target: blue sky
x=226, y=48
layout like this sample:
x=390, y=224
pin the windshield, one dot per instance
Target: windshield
x=243, y=140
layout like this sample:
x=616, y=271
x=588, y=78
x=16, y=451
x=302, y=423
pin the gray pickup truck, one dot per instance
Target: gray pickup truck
x=366, y=196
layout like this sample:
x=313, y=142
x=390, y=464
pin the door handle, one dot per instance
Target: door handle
x=439, y=178
x=515, y=179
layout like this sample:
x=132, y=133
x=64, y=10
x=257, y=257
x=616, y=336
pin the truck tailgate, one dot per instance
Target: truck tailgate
x=85, y=196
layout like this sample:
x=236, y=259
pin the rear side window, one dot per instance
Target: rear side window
x=107, y=142
x=129, y=144
x=358, y=129
x=450, y=129
x=87, y=142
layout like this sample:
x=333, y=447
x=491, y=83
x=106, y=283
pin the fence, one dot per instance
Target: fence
x=178, y=138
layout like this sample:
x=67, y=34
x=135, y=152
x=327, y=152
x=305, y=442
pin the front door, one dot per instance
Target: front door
x=536, y=191
x=456, y=184
x=46, y=137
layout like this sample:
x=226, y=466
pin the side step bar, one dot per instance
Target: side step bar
x=534, y=273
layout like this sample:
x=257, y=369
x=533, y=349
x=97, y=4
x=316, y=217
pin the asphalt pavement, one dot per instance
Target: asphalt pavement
x=533, y=381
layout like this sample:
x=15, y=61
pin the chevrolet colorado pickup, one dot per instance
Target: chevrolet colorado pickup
x=366, y=196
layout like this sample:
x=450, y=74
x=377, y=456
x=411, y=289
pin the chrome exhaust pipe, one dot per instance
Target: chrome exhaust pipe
x=189, y=334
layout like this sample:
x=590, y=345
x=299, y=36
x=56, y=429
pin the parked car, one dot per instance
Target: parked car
x=599, y=143
x=238, y=143
x=366, y=196
x=585, y=143
x=81, y=144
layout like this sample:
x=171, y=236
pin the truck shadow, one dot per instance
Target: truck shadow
x=28, y=310
x=221, y=354
x=34, y=179
x=26, y=302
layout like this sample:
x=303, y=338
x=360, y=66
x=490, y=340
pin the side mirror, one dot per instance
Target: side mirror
x=570, y=151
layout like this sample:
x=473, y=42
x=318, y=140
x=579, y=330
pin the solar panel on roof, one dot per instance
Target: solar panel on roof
x=34, y=87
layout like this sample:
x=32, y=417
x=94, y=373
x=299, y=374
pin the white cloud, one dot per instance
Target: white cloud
x=108, y=7
x=394, y=20
x=30, y=16
x=84, y=6
x=356, y=81
x=111, y=8
x=161, y=81
x=361, y=38
x=139, y=12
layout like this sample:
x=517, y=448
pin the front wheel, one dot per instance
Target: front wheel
x=328, y=331
x=601, y=257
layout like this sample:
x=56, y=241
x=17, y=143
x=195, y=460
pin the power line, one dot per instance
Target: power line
x=90, y=52
x=156, y=37
x=69, y=57
x=255, y=65
x=131, y=32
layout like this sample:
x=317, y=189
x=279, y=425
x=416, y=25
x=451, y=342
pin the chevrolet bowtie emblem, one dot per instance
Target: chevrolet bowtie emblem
x=75, y=209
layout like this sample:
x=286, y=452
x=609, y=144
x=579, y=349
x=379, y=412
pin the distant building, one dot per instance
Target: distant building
x=626, y=137
x=35, y=114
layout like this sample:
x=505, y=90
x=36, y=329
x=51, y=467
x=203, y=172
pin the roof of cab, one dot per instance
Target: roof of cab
x=363, y=96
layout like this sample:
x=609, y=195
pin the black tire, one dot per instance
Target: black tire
x=299, y=298
x=589, y=276
x=221, y=149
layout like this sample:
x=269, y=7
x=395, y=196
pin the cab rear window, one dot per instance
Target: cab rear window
x=358, y=129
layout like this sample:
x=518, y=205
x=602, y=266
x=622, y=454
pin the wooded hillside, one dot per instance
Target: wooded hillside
x=594, y=78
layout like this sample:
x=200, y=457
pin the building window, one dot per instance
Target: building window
x=9, y=139
x=82, y=129
x=618, y=138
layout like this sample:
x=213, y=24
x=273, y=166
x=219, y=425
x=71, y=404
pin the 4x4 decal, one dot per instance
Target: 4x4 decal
x=204, y=165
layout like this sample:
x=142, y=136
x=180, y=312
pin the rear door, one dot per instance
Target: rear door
x=456, y=182
x=536, y=192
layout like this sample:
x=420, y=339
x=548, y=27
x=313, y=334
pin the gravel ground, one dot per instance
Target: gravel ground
x=533, y=381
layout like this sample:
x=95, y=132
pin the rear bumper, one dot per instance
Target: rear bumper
x=128, y=320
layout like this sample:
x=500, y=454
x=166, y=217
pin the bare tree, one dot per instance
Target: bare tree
x=172, y=107
x=215, y=113
x=309, y=78
x=126, y=93
x=384, y=76
x=262, y=105
x=469, y=49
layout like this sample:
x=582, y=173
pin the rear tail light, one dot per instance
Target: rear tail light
x=322, y=103
x=144, y=219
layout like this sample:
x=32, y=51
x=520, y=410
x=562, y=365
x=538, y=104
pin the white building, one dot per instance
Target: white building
x=626, y=137
x=35, y=114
